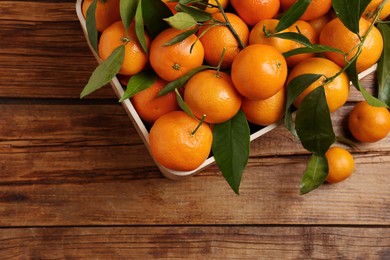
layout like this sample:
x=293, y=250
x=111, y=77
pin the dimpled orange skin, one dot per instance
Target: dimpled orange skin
x=172, y=62
x=340, y=163
x=213, y=95
x=369, y=13
x=218, y=37
x=252, y=11
x=172, y=144
x=368, y=123
x=257, y=35
x=149, y=106
x=336, y=92
x=106, y=13
x=259, y=71
x=267, y=111
x=135, y=58
x=336, y=35
x=315, y=9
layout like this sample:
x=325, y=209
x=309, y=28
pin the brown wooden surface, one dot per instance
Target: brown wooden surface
x=77, y=182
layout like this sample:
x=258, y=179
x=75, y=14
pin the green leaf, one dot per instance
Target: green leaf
x=139, y=82
x=153, y=13
x=104, y=73
x=183, y=105
x=314, y=48
x=315, y=174
x=313, y=122
x=90, y=21
x=139, y=27
x=181, y=37
x=196, y=13
x=297, y=37
x=354, y=78
x=127, y=11
x=350, y=12
x=383, y=72
x=295, y=87
x=292, y=15
x=171, y=86
x=231, y=141
x=181, y=21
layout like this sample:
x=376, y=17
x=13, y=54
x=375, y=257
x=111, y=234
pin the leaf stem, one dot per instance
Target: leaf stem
x=200, y=123
x=220, y=61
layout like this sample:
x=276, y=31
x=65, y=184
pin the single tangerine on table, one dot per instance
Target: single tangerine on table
x=115, y=35
x=252, y=11
x=172, y=62
x=340, y=163
x=265, y=112
x=259, y=71
x=150, y=106
x=369, y=123
x=315, y=9
x=216, y=38
x=107, y=12
x=257, y=35
x=175, y=145
x=336, y=35
x=310, y=33
x=213, y=94
x=336, y=92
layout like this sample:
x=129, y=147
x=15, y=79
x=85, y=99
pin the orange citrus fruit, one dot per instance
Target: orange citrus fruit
x=107, y=12
x=115, y=35
x=213, y=10
x=315, y=9
x=369, y=123
x=267, y=111
x=257, y=35
x=370, y=10
x=336, y=91
x=340, y=163
x=172, y=62
x=310, y=33
x=336, y=35
x=212, y=94
x=252, y=11
x=216, y=38
x=259, y=71
x=149, y=106
x=174, y=145
x=320, y=22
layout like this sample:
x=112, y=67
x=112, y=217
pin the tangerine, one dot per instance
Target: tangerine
x=315, y=9
x=370, y=10
x=340, y=164
x=107, y=12
x=252, y=11
x=175, y=145
x=213, y=10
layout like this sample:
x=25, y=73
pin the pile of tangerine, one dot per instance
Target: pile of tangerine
x=252, y=78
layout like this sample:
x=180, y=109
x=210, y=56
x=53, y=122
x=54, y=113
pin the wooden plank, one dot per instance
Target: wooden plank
x=202, y=242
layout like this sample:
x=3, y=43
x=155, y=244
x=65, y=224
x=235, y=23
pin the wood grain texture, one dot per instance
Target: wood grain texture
x=200, y=242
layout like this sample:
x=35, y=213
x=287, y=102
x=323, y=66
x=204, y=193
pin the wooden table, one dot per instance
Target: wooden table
x=76, y=180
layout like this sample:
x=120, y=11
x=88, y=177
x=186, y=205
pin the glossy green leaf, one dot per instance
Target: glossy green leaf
x=181, y=37
x=383, y=72
x=297, y=37
x=315, y=174
x=314, y=48
x=90, y=21
x=183, y=105
x=231, y=141
x=350, y=12
x=104, y=73
x=198, y=14
x=353, y=77
x=181, y=21
x=313, y=122
x=139, y=82
x=295, y=87
x=171, y=86
x=139, y=27
x=153, y=13
x=292, y=15
x=127, y=11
